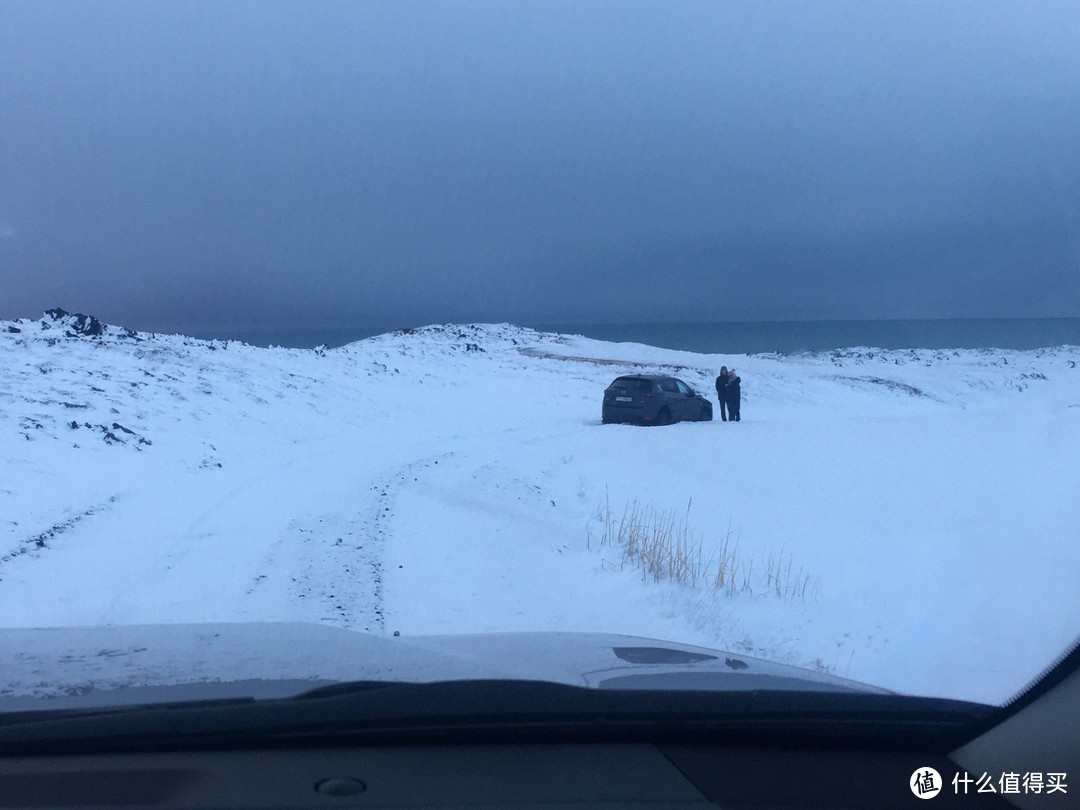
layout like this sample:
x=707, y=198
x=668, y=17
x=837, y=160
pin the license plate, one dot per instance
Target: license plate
x=624, y=399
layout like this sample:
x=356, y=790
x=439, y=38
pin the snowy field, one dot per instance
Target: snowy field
x=921, y=507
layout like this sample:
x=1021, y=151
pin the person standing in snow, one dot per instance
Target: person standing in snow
x=721, y=387
x=733, y=394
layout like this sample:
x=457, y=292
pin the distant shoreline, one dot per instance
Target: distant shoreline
x=785, y=337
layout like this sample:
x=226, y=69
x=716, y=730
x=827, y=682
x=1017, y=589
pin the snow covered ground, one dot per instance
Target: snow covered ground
x=454, y=479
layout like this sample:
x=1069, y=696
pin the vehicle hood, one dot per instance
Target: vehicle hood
x=105, y=666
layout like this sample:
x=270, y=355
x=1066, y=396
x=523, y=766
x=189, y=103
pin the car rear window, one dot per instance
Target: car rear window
x=632, y=383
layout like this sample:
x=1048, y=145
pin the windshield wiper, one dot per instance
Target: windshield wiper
x=386, y=712
x=343, y=688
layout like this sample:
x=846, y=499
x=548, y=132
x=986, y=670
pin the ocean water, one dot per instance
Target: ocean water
x=792, y=337
x=786, y=337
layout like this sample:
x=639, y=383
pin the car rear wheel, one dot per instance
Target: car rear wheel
x=705, y=415
x=664, y=417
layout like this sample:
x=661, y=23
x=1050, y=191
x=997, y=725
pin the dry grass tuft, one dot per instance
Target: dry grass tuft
x=662, y=545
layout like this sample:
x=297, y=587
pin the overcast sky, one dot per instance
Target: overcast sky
x=252, y=164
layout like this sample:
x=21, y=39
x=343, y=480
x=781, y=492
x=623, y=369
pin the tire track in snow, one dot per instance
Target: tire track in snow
x=380, y=519
x=334, y=563
x=42, y=539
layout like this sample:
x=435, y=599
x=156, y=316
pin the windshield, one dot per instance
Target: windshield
x=632, y=384
x=311, y=313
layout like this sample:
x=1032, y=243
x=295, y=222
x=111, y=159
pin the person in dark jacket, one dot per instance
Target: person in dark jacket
x=733, y=394
x=721, y=386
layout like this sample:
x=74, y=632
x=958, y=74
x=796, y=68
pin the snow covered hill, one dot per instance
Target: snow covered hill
x=907, y=518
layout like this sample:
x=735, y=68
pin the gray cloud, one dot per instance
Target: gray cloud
x=254, y=163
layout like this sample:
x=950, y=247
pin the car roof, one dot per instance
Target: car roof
x=645, y=377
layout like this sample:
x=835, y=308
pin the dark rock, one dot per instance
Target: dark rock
x=86, y=325
x=118, y=426
x=14, y=330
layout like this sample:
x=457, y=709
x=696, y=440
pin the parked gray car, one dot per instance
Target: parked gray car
x=653, y=399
